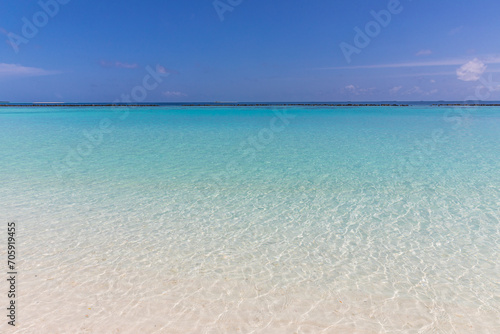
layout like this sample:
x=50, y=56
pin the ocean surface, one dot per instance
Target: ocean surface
x=253, y=220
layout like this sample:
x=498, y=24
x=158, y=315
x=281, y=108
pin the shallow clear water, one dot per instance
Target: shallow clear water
x=257, y=220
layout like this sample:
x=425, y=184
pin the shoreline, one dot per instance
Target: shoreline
x=251, y=105
x=79, y=105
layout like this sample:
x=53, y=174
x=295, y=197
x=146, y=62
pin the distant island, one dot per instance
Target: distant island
x=231, y=104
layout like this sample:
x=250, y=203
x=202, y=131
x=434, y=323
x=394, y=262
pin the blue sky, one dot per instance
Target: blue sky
x=249, y=50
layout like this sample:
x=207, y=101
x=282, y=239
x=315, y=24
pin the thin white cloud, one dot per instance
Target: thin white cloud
x=118, y=64
x=448, y=62
x=424, y=53
x=417, y=91
x=422, y=74
x=455, y=31
x=396, y=89
x=173, y=94
x=104, y=63
x=16, y=70
x=351, y=89
x=126, y=65
x=164, y=70
x=471, y=71
x=161, y=69
x=414, y=90
x=399, y=65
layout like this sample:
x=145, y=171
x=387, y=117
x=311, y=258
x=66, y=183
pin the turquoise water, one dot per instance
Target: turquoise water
x=256, y=220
